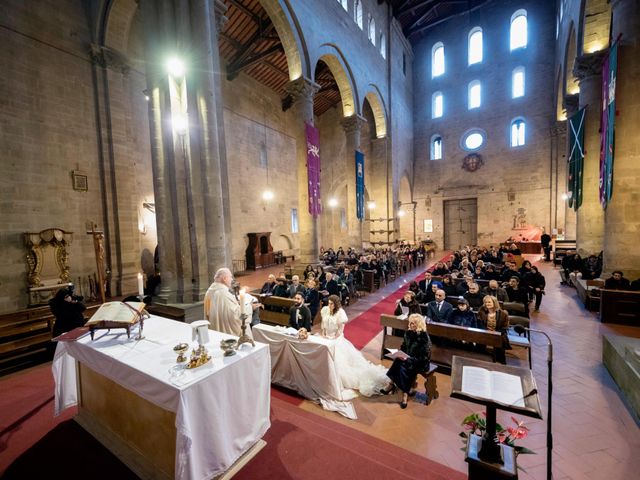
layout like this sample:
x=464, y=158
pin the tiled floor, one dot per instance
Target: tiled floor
x=595, y=435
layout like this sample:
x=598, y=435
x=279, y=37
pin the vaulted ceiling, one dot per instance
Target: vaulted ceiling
x=249, y=43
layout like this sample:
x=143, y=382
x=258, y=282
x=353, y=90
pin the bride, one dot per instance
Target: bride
x=355, y=371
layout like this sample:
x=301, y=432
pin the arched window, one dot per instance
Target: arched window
x=436, y=147
x=345, y=4
x=518, y=37
x=357, y=13
x=372, y=30
x=383, y=46
x=517, y=82
x=517, y=132
x=475, y=96
x=437, y=105
x=437, y=60
x=475, y=45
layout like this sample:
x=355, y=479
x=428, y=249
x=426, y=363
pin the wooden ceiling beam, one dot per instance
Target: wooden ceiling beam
x=233, y=71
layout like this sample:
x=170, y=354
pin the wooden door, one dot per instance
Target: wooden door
x=460, y=223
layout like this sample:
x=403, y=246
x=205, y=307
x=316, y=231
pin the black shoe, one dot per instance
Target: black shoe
x=392, y=389
x=403, y=405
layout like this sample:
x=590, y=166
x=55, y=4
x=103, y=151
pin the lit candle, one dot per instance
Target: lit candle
x=140, y=285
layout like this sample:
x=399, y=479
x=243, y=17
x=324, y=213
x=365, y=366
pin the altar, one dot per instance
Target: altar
x=160, y=419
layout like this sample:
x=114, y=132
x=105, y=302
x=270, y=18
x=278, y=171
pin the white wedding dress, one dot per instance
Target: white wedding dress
x=356, y=372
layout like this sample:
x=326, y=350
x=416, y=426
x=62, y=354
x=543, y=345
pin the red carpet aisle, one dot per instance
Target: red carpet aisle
x=363, y=328
x=302, y=445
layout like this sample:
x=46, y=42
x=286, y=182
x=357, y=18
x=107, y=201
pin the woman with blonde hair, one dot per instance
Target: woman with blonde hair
x=492, y=317
x=417, y=354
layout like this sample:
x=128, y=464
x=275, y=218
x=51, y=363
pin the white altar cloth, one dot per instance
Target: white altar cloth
x=222, y=408
x=308, y=367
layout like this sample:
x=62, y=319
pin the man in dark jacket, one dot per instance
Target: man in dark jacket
x=617, y=281
x=517, y=294
x=299, y=314
x=545, y=241
x=439, y=310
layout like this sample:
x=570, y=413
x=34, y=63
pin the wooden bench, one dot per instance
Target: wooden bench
x=280, y=313
x=620, y=306
x=389, y=341
x=25, y=337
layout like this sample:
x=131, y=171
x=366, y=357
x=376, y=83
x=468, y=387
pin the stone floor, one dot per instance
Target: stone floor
x=595, y=435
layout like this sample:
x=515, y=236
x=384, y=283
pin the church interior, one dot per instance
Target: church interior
x=149, y=143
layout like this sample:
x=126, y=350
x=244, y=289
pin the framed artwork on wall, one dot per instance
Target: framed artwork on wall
x=428, y=226
x=79, y=181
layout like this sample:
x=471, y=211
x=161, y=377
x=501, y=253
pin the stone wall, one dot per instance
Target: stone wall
x=527, y=171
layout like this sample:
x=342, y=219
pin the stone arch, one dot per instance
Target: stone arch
x=379, y=112
x=595, y=24
x=117, y=24
x=290, y=33
x=343, y=75
x=571, y=86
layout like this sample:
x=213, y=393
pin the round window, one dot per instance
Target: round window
x=473, y=139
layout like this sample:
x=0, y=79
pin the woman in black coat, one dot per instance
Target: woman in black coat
x=405, y=369
x=312, y=298
x=67, y=309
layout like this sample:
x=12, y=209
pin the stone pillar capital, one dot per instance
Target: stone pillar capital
x=558, y=128
x=302, y=89
x=109, y=58
x=220, y=11
x=589, y=65
x=353, y=123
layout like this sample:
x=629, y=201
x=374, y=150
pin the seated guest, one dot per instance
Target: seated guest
x=308, y=269
x=430, y=295
x=67, y=310
x=571, y=263
x=463, y=287
x=492, y=317
x=473, y=296
x=439, y=310
x=617, y=281
x=281, y=289
x=299, y=314
x=448, y=286
x=409, y=302
x=417, y=346
x=347, y=279
x=462, y=315
x=536, y=283
x=517, y=294
x=312, y=297
x=635, y=285
x=425, y=283
x=440, y=269
x=514, y=250
x=295, y=287
x=269, y=285
x=591, y=268
x=496, y=290
x=331, y=285
x=478, y=274
x=510, y=270
x=490, y=272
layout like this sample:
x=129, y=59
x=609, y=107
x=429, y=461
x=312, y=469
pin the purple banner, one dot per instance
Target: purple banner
x=313, y=169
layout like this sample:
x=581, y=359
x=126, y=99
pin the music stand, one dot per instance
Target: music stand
x=486, y=457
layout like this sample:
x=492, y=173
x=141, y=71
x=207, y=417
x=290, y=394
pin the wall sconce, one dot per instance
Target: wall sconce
x=332, y=202
x=267, y=195
x=401, y=213
x=371, y=205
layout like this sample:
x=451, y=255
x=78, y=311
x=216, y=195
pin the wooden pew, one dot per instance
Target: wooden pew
x=442, y=355
x=280, y=314
x=620, y=306
x=430, y=382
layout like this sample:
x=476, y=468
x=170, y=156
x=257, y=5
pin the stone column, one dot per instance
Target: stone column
x=570, y=103
x=590, y=216
x=352, y=127
x=622, y=217
x=302, y=91
x=380, y=189
x=189, y=165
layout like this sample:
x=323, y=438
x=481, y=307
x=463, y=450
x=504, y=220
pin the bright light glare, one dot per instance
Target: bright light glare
x=333, y=202
x=564, y=196
x=371, y=205
x=267, y=195
x=180, y=123
x=401, y=213
x=175, y=67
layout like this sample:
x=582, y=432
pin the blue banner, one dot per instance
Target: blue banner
x=360, y=185
x=607, y=124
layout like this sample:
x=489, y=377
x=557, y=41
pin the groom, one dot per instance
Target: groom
x=299, y=314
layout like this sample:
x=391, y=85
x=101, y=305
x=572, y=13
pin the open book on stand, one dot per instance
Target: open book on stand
x=491, y=385
x=117, y=315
